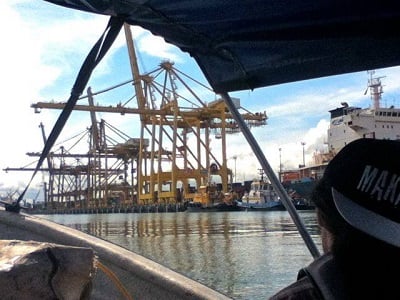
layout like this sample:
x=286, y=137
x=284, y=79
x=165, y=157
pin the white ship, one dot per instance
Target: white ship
x=350, y=123
x=347, y=123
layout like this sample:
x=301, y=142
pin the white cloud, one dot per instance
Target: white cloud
x=157, y=47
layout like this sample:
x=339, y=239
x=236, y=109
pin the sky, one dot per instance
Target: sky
x=43, y=47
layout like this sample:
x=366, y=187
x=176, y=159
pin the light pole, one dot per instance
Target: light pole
x=280, y=164
x=235, y=158
x=304, y=160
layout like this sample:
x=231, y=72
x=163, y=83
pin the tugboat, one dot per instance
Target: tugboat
x=261, y=197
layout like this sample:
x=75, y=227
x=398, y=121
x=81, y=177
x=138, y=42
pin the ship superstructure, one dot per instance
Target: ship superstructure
x=347, y=123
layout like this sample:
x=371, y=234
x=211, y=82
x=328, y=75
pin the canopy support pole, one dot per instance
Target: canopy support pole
x=276, y=184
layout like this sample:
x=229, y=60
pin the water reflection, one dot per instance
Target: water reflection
x=245, y=255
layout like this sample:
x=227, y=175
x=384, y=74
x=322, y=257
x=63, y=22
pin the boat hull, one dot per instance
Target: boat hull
x=277, y=207
x=302, y=188
x=198, y=207
x=262, y=207
x=143, y=278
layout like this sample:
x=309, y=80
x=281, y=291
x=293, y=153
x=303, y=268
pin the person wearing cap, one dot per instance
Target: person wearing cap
x=358, y=209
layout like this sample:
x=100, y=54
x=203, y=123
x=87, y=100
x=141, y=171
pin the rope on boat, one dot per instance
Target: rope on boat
x=114, y=279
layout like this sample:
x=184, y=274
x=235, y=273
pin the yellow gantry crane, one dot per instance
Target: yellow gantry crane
x=173, y=154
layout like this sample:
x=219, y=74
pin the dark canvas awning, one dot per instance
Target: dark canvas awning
x=248, y=44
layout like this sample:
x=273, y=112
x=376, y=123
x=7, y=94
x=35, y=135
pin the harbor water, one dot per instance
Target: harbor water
x=244, y=255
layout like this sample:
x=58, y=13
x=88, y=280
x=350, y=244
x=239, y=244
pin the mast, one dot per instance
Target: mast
x=376, y=89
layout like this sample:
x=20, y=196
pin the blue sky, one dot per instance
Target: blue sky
x=44, y=46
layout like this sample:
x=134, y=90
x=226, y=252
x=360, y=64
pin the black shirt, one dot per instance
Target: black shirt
x=302, y=289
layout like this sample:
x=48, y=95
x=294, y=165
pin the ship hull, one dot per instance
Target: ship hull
x=303, y=189
x=198, y=207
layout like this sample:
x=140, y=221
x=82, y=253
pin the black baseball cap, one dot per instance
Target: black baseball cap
x=365, y=179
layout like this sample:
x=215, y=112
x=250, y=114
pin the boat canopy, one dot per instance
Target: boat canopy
x=249, y=44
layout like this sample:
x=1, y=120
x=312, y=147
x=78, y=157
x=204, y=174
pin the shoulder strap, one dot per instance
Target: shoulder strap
x=326, y=277
x=93, y=58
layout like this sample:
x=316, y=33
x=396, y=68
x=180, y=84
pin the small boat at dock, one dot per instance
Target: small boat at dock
x=208, y=199
x=262, y=197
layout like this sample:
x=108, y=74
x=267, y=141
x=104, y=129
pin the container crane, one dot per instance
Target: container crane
x=174, y=153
